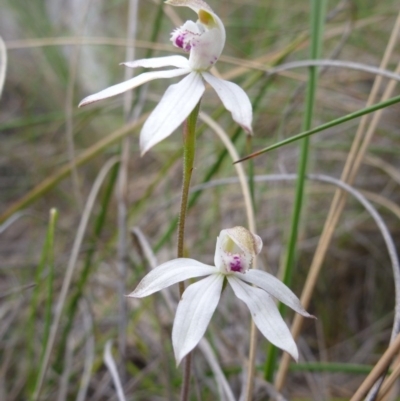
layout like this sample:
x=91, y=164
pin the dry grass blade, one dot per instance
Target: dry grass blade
x=69, y=107
x=239, y=168
x=390, y=381
x=207, y=351
x=16, y=290
x=90, y=351
x=74, y=41
x=112, y=367
x=122, y=188
x=378, y=370
x=335, y=63
x=3, y=64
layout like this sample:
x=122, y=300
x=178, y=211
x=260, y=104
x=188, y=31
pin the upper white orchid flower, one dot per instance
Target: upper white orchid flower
x=235, y=251
x=204, y=39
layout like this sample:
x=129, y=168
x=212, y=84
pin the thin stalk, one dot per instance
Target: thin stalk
x=47, y=259
x=122, y=192
x=317, y=25
x=50, y=278
x=69, y=111
x=253, y=330
x=189, y=150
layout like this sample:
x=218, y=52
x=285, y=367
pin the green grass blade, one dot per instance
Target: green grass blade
x=46, y=260
x=330, y=124
x=317, y=25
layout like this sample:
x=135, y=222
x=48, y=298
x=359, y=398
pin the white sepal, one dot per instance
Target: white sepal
x=194, y=313
x=132, y=83
x=265, y=315
x=234, y=99
x=176, y=104
x=158, y=62
x=274, y=287
x=171, y=272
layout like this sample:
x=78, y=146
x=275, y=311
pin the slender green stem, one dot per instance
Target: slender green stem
x=189, y=150
x=47, y=259
x=317, y=25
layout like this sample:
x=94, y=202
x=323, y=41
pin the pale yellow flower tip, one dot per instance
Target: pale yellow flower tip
x=246, y=240
x=204, y=11
x=195, y=5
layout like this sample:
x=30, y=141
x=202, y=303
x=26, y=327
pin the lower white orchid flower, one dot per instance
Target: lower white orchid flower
x=205, y=40
x=235, y=251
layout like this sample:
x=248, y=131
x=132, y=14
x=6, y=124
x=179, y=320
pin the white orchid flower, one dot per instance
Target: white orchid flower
x=234, y=254
x=205, y=40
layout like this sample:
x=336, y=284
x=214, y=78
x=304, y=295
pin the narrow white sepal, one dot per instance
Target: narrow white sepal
x=132, y=83
x=234, y=99
x=194, y=313
x=274, y=287
x=266, y=315
x=159, y=62
x=176, y=104
x=169, y=273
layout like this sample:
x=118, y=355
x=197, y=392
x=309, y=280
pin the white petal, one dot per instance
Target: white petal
x=132, y=83
x=170, y=273
x=158, y=62
x=177, y=103
x=194, y=313
x=265, y=315
x=234, y=99
x=274, y=287
x=218, y=261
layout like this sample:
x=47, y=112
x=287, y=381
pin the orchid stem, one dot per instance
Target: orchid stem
x=189, y=150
